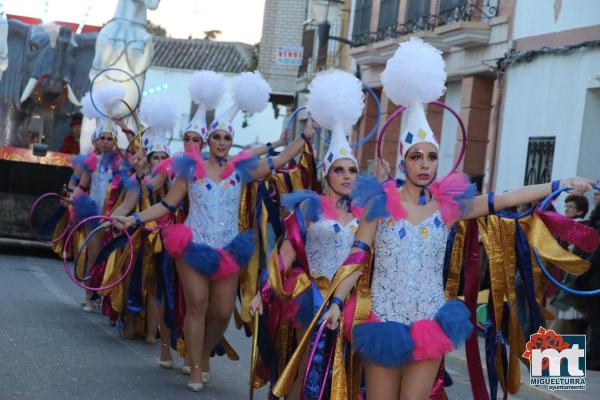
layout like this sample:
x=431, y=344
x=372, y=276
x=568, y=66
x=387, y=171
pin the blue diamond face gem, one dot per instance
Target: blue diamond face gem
x=402, y=233
x=336, y=228
x=208, y=186
x=437, y=222
x=409, y=138
x=330, y=157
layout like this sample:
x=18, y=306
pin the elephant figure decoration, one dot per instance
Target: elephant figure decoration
x=46, y=76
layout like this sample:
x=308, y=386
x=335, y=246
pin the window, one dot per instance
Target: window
x=388, y=14
x=417, y=9
x=362, y=21
x=540, y=154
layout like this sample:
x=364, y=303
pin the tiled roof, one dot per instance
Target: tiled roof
x=196, y=54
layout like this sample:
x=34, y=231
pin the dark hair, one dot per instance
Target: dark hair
x=581, y=202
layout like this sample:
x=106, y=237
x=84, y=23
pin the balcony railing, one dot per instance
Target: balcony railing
x=464, y=12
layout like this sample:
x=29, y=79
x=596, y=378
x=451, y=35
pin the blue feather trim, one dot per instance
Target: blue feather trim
x=465, y=199
x=203, y=258
x=388, y=344
x=49, y=225
x=79, y=162
x=85, y=207
x=453, y=317
x=245, y=167
x=184, y=166
x=242, y=247
x=308, y=201
x=369, y=193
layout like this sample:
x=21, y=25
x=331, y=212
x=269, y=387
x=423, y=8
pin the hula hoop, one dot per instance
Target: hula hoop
x=401, y=109
x=540, y=262
x=76, y=259
x=30, y=218
x=311, y=359
x=68, y=269
x=132, y=78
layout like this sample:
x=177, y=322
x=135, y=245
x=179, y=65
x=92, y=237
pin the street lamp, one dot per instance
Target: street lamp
x=325, y=12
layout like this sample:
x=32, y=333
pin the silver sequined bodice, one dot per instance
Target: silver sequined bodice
x=101, y=179
x=328, y=244
x=214, y=209
x=408, y=269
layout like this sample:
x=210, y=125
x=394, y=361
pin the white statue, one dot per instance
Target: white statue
x=3, y=43
x=124, y=43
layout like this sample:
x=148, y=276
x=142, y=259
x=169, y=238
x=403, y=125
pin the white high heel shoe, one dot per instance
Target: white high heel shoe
x=205, y=377
x=193, y=386
x=186, y=370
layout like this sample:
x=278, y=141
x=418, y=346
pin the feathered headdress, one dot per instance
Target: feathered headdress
x=336, y=102
x=159, y=113
x=415, y=76
x=105, y=102
x=250, y=94
x=206, y=90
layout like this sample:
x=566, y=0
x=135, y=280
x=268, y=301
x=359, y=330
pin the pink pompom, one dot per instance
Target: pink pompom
x=91, y=162
x=176, y=238
x=329, y=210
x=227, y=266
x=349, y=311
x=394, y=205
x=233, y=162
x=165, y=168
x=430, y=340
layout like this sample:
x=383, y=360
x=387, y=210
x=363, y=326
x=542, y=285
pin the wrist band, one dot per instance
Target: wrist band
x=338, y=301
x=361, y=245
x=168, y=206
x=271, y=166
x=74, y=179
x=555, y=185
x=69, y=190
x=491, y=208
x=138, y=220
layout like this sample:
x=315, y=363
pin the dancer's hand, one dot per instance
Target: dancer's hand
x=332, y=316
x=123, y=222
x=256, y=305
x=579, y=185
x=382, y=170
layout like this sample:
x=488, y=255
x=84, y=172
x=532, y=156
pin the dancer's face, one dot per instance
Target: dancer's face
x=342, y=176
x=220, y=142
x=157, y=157
x=105, y=143
x=192, y=142
x=421, y=163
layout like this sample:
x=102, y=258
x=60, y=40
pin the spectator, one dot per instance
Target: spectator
x=71, y=141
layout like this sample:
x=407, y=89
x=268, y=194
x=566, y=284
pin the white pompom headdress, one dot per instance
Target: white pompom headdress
x=415, y=76
x=206, y=90
x=159, y=113
x=336, y=102
x=105, y=102
x=250, y=94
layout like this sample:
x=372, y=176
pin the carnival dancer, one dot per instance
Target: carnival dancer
x=209, y=250
x=308, y=257
x=99, y=175
x=406, y=229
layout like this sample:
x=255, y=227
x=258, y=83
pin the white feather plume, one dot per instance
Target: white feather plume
x=414, y=74
x=207, y=87
x=87, y=108
x=335, y=98
x=108, y=96
x=251, y=92
x=159, y=112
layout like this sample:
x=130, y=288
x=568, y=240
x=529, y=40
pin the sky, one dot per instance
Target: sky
x=238, y=20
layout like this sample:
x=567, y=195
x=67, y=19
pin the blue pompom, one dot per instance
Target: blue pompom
x=130, y=182
x=85, y=207
x=308, y=201
x=184, y=166
x=203, y=258
x=242, y=247
x=369, y=194
x=453, y=317
x=245, y=168
x=388, y=344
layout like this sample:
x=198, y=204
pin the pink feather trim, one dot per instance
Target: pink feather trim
x=165, y=168
x=200, y=171
x=91, y=162
x=430, y=340
x=394, y=205
x=348, y=312
x=358, y=212
x=446, y=190
x=329, y=209
x=231, y=165
x=176, y=238
x=227, y=266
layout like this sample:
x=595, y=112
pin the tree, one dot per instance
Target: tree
x=211, y=35
x=155, y=29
